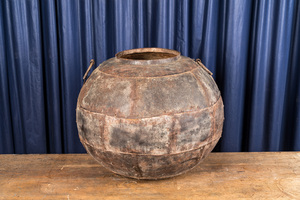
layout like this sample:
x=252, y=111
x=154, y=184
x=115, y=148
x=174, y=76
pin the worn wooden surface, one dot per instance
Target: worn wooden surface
x=220, y=176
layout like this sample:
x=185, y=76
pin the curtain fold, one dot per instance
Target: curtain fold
x=252, y=47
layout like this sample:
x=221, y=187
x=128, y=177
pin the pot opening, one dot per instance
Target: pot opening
x=149, y=55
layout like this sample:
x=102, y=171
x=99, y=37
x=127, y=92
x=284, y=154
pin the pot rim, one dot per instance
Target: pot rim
x=174, y=55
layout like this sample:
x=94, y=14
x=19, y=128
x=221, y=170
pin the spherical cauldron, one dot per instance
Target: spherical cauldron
x=149, y=113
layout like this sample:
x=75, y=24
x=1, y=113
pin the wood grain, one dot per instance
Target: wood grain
x=219, y=176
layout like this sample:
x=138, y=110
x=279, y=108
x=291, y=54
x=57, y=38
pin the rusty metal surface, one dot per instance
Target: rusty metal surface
x=149, y=117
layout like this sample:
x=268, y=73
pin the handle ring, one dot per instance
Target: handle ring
x=198, y=61
x=92, y=62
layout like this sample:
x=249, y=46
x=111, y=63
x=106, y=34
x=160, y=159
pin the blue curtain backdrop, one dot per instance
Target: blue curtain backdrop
x=252, y=47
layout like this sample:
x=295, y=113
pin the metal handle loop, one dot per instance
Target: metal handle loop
x=92, y=62
x=198, y=61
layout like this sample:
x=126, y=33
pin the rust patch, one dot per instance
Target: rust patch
x=169, y=95
x=150, y=166
x=88, y=125
x=173, y=137
x=208, y=84
x=134, y=97
x=219, y=117
x=195, y=128
x=138, y=136
x=112, y=98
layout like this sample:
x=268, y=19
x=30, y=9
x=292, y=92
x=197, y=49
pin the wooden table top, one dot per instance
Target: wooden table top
x=219, y=176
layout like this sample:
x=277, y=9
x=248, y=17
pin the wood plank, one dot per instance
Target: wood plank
x=220, y=176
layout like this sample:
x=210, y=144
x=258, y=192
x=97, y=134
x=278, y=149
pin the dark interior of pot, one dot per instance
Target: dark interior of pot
x=147, y=55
